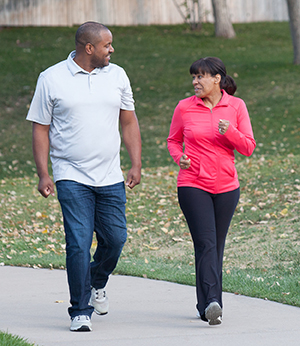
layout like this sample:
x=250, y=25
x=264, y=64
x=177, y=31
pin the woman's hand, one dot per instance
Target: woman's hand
x=184, y=162
x=223, y=126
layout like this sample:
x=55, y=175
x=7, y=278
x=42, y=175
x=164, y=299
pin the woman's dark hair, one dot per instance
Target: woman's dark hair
x=214, y=66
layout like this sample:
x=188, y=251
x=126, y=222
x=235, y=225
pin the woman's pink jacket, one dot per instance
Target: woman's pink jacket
x=194, y=131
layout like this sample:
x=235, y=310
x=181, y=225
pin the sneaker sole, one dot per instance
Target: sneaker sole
x=82, y=329
x=100, y=313
x=215, y=322
x=212, y=313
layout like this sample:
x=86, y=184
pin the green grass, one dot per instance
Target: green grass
x=262, y=254
x=12, y=340
x=157, y=60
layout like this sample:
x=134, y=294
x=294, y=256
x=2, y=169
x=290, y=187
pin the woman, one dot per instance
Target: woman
x=205, y=131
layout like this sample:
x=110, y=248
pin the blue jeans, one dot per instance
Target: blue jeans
x=87, y=209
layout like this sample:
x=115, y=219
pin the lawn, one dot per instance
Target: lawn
x=262, y=253
x=7, y=339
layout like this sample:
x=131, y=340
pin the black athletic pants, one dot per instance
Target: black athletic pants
x=208, y=216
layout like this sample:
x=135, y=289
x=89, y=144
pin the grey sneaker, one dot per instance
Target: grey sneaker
x=213, y=313
x=81, y=323
x=99, y=301
x=215, y=322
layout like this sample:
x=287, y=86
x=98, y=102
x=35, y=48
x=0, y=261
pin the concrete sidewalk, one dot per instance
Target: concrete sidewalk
x=143, y=312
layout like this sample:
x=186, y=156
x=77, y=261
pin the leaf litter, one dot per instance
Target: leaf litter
x=265, y=229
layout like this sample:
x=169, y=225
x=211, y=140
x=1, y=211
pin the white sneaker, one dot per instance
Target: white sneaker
x=81, y=323
x=214, y=314
x=99, y=301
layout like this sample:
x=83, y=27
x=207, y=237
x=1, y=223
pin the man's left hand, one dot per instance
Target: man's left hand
x=133, y=177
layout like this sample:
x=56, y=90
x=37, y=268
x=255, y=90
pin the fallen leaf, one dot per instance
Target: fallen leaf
x=284, y=212
x=177, y=239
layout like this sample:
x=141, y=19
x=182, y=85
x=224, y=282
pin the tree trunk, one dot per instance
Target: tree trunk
x=294, y=14
x=223, y=25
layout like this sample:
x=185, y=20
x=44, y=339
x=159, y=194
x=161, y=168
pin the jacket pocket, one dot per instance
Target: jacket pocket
x=207, y=169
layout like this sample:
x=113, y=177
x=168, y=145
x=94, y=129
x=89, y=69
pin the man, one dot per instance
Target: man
x=76, y=110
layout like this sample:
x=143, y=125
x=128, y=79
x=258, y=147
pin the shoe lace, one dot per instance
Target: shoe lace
x=79, y=317
x=100, y=294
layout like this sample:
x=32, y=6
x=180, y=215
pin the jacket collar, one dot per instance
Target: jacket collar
x=223, y=102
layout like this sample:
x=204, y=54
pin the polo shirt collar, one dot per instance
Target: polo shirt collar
x=74, y=68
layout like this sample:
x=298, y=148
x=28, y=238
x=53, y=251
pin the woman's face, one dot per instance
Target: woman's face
x=205, y=85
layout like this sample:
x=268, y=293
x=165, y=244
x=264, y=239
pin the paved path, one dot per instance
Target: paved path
x=143, y=312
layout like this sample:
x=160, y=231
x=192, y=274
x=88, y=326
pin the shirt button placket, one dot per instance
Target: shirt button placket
x=90, y=83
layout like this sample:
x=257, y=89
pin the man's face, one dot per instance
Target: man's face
x=102, y=50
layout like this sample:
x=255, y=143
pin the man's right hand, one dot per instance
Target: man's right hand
x=46, y=186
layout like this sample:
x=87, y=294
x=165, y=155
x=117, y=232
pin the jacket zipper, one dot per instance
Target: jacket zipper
x=216, y=152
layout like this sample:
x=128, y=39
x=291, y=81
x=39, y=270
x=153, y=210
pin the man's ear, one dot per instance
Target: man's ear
x=89, y=48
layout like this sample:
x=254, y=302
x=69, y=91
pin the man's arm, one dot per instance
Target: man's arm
x=40, y=148
x=132, y=140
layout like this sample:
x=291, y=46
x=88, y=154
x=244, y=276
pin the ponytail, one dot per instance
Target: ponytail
x=228, y=84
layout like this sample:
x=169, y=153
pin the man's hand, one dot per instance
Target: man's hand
x=133, y=177
x=46, y=186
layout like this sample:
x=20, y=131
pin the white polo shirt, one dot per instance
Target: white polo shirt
x=83, y=110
